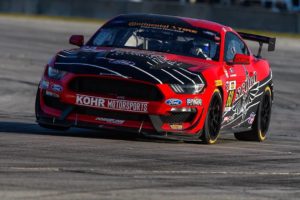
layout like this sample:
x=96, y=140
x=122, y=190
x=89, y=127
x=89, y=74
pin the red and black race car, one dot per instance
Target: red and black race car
x=162, y=76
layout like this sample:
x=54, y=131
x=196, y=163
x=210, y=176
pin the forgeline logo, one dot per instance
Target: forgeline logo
x=113, y=104
x=176, y=126
x=109, y=120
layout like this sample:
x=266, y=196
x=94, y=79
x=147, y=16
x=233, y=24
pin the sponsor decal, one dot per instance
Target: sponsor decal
x=56, y=88
x=154, y=60
x=173, y=102
x=122, y=62
x=227, y=119
x=230, y=85
x=227, y=109
x=194, y=102
x=226, y=73
x=176, y=126
x=112, y=104
x=218, y=83
x=89, y=48
x=251, y=118
x=232, y=72
x=245, y=95
x=163, y=26
x=229, y=101
x=109, y=120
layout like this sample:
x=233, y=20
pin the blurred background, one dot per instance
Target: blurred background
x=270, y=15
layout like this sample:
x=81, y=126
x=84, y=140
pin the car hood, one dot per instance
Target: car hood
x=153, y=67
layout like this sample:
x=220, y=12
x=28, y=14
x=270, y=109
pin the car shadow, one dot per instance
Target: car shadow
x=33, y=128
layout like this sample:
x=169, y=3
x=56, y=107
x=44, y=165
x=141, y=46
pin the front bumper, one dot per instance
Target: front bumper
x=60, y=106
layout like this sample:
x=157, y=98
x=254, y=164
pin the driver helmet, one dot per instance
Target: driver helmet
x=201, y=47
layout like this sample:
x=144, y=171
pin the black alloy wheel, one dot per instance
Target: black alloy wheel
x=213, y=120
x=261, y=122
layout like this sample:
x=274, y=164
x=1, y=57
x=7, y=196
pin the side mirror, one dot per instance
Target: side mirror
x=77, y=40
x=241, y=59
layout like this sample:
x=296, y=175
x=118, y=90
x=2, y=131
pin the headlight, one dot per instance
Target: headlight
x=187, y=89
x=55, y=73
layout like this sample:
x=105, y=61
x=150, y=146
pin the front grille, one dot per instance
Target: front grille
x=111, y=114
x=180, y=117
x=127, y=89
x=54, y=102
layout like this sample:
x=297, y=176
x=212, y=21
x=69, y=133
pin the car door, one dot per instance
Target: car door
x=236, y=82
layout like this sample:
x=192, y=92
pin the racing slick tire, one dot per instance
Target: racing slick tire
x=37, y=115
x=212, y=125
x=261, y=122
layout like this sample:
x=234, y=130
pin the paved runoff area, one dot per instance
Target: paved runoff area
x=37, y=163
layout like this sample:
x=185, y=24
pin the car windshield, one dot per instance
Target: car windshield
x=194, y=42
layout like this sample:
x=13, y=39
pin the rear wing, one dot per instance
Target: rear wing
x=261, y=40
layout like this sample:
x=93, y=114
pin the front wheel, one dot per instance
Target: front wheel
x=261, y=122
x=213, y=119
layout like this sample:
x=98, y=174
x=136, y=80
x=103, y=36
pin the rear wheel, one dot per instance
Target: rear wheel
x=261, y=122
x=213, y=120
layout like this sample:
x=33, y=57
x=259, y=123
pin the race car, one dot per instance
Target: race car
x=161, y=76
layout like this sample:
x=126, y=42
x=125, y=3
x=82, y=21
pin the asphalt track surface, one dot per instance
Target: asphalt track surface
x=36, y=163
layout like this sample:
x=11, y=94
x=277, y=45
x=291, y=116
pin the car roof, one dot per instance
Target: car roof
x=167, y=19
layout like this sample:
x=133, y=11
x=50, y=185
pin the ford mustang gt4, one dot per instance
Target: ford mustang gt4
x=161, y=76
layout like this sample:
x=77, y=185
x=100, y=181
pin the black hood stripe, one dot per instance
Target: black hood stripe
x=68, y=56
x=201, y=80
x=159, y=81
x=132, y=64
x=69, y=52
x=96, y=66
x=62, y=56
x=113, y=71
x=183, y=75
x=170, y=74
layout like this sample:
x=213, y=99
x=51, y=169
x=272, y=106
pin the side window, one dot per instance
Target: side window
x=234, y=45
